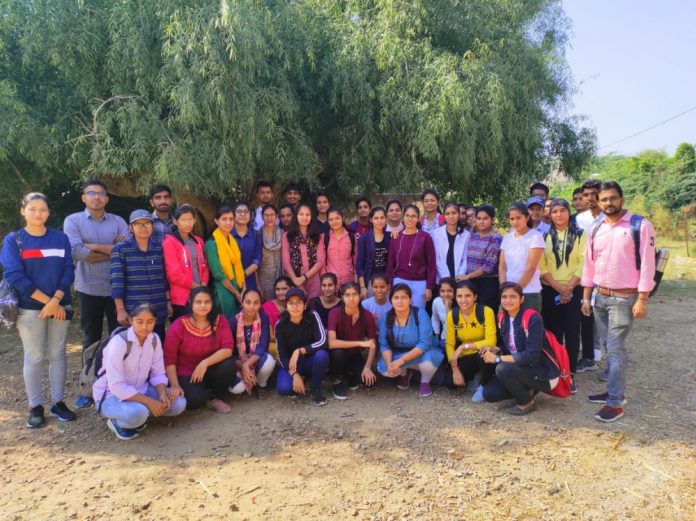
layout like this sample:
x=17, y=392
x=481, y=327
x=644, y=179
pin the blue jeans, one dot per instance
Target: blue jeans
x=43, y=338
x=130, y=415
x=314, y=366
x=613, y=320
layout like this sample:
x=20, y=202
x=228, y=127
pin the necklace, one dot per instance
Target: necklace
x=410, y=255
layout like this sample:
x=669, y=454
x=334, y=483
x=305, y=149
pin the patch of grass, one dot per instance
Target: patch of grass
x=677, y=288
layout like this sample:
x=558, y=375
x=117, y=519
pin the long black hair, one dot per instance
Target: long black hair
x=213, y=315
x=313, y=231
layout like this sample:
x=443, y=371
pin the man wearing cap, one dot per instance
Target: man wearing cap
x=137, y=272
x=535, y=205
x=618, y=276
x=93, y=233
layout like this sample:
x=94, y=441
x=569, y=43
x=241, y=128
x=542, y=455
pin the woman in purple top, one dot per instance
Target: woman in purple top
x=249, y=242
x=411, y=259
x=482, y=254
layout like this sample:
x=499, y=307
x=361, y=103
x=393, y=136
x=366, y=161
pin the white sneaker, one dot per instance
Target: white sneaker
x=478, y=395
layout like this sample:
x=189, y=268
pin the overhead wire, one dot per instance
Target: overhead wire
x=649, y=128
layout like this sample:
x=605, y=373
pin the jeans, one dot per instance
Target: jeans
x=513, y=381
x=314, y=366
x=563, y=320
x=92, y=312
x=130, y=415
x=613, y=320
x=263, y=368
x=43, y=338
x=216, y=381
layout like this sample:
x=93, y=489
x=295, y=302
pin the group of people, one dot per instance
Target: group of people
x=298, y=292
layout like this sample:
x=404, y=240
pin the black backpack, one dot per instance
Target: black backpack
x=391, y=317
x=479, y=311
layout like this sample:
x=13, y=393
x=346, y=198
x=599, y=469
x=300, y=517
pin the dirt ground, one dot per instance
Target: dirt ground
x=383, y=454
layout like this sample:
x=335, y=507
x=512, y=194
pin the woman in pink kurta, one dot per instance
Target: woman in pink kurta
x=303, y=252
x=340, y=250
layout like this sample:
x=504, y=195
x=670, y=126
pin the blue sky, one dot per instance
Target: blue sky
x=634, y=64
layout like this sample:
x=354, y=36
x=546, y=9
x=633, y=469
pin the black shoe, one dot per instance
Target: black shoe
x=340, y=391
x=573, y=387
x=317, y=397
x=36, y=417
x=61, y=411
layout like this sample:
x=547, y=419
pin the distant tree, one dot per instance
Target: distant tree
x=354, y=95
x=685, y=158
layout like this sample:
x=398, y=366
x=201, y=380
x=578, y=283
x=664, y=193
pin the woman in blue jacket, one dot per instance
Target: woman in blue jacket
x=407, y=343
x=373, y=247
x=522, y=369
x=38, y=264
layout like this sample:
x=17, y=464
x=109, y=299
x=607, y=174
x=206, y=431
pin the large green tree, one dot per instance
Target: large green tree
x=354, y=95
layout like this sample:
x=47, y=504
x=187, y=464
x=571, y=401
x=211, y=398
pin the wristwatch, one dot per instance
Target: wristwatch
x=497, y=359
x=585, y=301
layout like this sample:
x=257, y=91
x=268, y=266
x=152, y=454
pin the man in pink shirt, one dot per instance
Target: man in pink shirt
x=621, y=282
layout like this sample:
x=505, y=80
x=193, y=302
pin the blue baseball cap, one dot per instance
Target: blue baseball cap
x=535, y=199
x=136, y=215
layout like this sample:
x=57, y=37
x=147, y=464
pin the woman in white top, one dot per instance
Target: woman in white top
x=520, y=255
x=450, y=245
x=441, y=306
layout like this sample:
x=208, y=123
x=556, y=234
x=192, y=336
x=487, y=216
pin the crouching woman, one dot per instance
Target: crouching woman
x=522, y=369
x=133, y=384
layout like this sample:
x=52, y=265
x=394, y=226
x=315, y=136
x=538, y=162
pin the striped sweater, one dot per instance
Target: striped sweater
x=44, y=263
x=138, y=276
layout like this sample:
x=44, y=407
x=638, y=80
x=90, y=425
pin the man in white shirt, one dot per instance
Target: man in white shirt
x=593, y=214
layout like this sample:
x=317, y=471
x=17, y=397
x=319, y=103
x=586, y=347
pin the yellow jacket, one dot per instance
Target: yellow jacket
x=469, y=331
x=564, y=272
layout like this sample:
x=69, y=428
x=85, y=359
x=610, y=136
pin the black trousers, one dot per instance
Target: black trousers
x=346, y=364
x=469, y=365
x=513, y=381
x=563, y=320
x=587, y=326
x=216, y=383
x=488, y=292
x=179, y=311
x=92, y=312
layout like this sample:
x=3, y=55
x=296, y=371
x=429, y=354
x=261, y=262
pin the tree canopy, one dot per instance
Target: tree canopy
x=469, y=96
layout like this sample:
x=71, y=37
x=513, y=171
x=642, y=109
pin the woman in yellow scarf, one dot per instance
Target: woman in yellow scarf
x=225, y=262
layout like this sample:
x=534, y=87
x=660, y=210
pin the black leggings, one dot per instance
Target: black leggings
x=469, y=365
x=563, y=320
x=216, y=382
x=488, y=292
x=346, y=362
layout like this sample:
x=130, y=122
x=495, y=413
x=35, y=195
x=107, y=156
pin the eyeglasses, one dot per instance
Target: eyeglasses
x=410, y=216
x=147, y=224
x=241, y=212
x=400, y=298
x=92, y=193
x=294, y=303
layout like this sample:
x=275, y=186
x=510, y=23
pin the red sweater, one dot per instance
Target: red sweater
x=185, y=346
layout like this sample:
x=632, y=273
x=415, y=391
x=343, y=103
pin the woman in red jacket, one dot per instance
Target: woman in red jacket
x=184, y=260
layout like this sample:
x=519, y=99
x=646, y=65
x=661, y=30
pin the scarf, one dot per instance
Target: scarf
x=230, y=257
x=241, y=337
x=296, y=252
x=572, y=233
x=274, y=242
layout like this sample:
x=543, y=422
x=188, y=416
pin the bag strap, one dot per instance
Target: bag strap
x=636, y=221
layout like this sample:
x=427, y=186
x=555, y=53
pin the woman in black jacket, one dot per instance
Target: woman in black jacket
x=522, y=369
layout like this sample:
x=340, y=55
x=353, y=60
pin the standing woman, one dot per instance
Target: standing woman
x=351, y=332
x=520, y=255
x=184, y=260
x=252, y=334
x=324, y=303
x=394, y=216
x=225, y=262
x=411, y=259
x=561, y=270
x=482, y=257
x=522, y=370
x=322, y=205
x=373, y=250
x=470, y=329
x=302, y=350
x=340, y=248
x=37, y=262
x=271, y=258
x=286, y=214
x=406, y=342
x=450, y=245
x=197, y=354
x=432, y=218
x=303, y=252
x=249, y=242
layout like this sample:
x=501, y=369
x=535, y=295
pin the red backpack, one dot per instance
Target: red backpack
x=554, y=351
